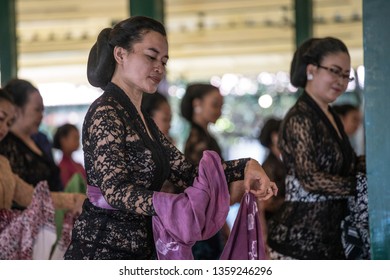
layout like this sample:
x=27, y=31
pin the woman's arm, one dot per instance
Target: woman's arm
x=67, y=201
x=117, y=161
x=299, y=150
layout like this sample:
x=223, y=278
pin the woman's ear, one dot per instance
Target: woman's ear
x=196, y=102
x=18, y=112
x=309, y=71
x=119, y=53
x=197, y=105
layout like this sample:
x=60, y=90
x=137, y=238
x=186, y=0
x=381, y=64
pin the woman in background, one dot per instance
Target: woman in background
x=157, y=106
x=27, y=159
x=321, y=164
x=67, y=140
x=15, y=189
x=202, y=105
x=350, y=116
x=273, y=165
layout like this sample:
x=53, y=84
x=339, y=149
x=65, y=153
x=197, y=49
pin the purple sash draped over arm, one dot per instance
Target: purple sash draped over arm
x=197, y=214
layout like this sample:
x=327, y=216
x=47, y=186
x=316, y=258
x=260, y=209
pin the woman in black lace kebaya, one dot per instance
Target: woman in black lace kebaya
x=27, y=158
x=321, y=164
x=126, y=157
x=202, y=105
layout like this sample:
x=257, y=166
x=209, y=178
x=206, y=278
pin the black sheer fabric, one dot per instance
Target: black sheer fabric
x=199, y=140
x=128, y=166
x=30, y=166
x=321, y=170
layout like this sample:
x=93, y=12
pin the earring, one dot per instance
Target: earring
x=198, y=109
x=309, y=76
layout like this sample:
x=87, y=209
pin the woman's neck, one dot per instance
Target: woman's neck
x=27, y=140
x=22, y=134
x=200, y=122
x=134, y=94
x=322, y=104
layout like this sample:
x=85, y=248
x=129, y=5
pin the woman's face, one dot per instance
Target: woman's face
x=7, y=117
x=326, y=85
x=162, y=117
x=143, y=68
x=71, y=142
x=211, y=105
x=351, y=121
x=30, y=116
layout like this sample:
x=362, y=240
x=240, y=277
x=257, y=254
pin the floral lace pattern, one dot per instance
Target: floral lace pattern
x=320, y=177
x=28, y=165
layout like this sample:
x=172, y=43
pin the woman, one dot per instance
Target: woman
x=27, y=159
x=201, y=106
x=273, y=164
x=14, y=189
x=321, y=164
x=157, y=106
x=350, y=117
x=127, y=158
x=67, y=140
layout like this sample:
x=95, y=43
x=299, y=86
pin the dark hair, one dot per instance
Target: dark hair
x=344, y=109
x=194, y=91
x=4, y=95
x=151, y=102
x=312, y=51
x=62, y=131
x=101, y=61
x=270, y=126
x=20, y=91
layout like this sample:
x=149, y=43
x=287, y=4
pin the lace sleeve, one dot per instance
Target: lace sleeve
x=234, y=169
x=117, y=162
x=183, y=171
x=302, y=153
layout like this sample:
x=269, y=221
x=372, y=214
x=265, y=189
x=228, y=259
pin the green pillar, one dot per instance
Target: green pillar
x=303, y=20
x=149, y=8
x=8, y=53
x=376, y=44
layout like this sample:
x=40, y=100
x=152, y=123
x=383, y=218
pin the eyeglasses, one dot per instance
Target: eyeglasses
x=337, y=73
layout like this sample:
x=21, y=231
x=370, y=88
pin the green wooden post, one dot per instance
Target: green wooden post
x=8, y=53
x=376, y=43
x=303, y=20
x=149, y=8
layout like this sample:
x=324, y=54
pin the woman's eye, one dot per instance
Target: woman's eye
x=335, y=71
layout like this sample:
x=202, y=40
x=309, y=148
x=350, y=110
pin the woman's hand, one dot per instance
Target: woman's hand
x=257, y=182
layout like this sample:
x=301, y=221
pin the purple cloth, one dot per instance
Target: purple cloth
x=246, y=240
x=96, y=197
x=197, y=214
x=19, y=234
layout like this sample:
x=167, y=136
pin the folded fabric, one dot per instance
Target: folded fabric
x=355, y=234
x=31, y=232
x=246, y=240
x=197, y=214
